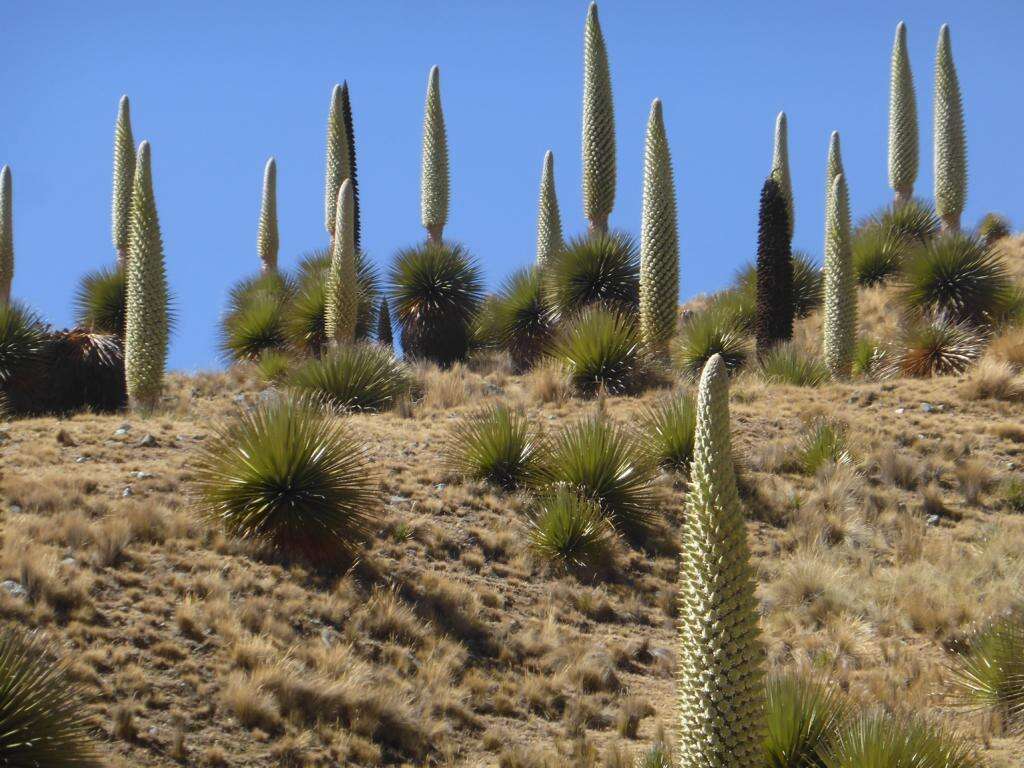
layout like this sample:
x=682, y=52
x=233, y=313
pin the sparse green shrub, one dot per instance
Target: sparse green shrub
x=257, y=327
x=787, y=364
x=714, y=331
x=437, y=290
x=42, y=720
x=957, y=275
x=570, y=529
x=360, y=377
x=667, y=431
x=602, y=351
x=607, y=464
x=993, y=228
x=595, y=269
x=822, y=443
x=1013, y=495
x=100, y=301
x=292, y=479
x=519, y=320
x=804, y=718
x=878, y=254
x=22, y=334
x=937, y=346
x=881, y=740
x=498, y=445
x=989, y=671
x=657, y=756
x=870, y=359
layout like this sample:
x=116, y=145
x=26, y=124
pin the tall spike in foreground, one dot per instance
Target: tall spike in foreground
x=840, y=323
x=903, y=140
x=721, y=657
x=659, y=240
x=124, y=177
x=598, y=127
x=342, y=281
x=266, y=237
x=773, y=321
x=833, y=166
x=145, y=342
x=385, y=336
x=780, y=166
x=338, y=159
x=950, y=139
x=434, y=174
x=549, y=220
x=350, y=137
x=6, y=234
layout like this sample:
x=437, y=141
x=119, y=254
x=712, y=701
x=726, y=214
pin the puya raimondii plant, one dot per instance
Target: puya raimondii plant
x=950, y=139
x=124, y=177
x=720, y=680
x=549, y=220
x=780, y=165
x=903, y=139
x=267, y=241
x=341, y=160
x=6, y=234
x=773, y=321
x=342, y=309
x=434, y=187
x=598, y=127
x=840, y=321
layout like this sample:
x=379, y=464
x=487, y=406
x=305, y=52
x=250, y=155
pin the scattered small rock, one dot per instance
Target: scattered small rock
x=15, y=509
x=127, y=492
x=148, y=442
x=13, y=588
x=440, y=486
x=68, y=561
x=933, y=519
x=81, y=459
x=901, y=410
x=124, y=429
x=141, y=475
x=239, y=398
x=928, y=407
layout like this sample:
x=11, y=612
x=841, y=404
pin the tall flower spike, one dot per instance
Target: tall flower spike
x=266, y=238
x=549, y=221
x=721, y=656
x=773, y=321
x=6, y=234
x=434, y=174
x=598, y=127
x=342, y=281
x=350, y=137
x=840, y=322
x=124, y=177
x=903, y=140
x=780, y=166
x=338, y=159
x=833, y=166
x=659, y=240
x=385, y=336
x=950, y=139
x=146, y=324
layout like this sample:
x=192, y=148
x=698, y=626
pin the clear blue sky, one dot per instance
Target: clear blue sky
x=218, y=87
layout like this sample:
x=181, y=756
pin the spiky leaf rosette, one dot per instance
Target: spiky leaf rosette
x=823, y=442
x=807, y=284
x=950, y=138
x=146, y=323
x=957, y=275
x=774, y=321
x=22, y=335
x=520, y=320
x=255, y=328
x=42, y=721
x=602, y=268
x=498, y=445
x=602, y=352
x=358, y=377
x=350, y=136
x=780, y=167
x=913, y=220
x=549, y=220
x=384, y=334
x=100, y=301
x=876, y=739
x=437, y=290
x=994, y=227
x=124, y=175
x=833, y=165
x=937, y=346
x=803, y=720
x=840, y=321
x=598, y=127
x=338, y=166
x=342, y=284
x=307, y=311
x=606, y=464
x=667, y=433
x=903, y=139
x=659, y=240
x=266, y=237
x=291, y=478
x=6, y=233
x=718, y=330
x=878, y=253
x=434, y=172
x=787, y=364
x=989, y=671
x=570, y=529
x=721, y=658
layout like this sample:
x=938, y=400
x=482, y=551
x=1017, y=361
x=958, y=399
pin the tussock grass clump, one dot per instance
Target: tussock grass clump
x=437, y=291
x=787, y=364
x=803, y=719
x=99, y=303
x=989, y=672
x=498, y=445
x=607, y=465
x=42, y=723
x=602, y=351
x=993, y=380
x=598, y=268
x=290, y=478
x=714, y=331
x=667, y=432
x=361, y=377
x=877, y=739
x=869, y=358
x=937, y=346
x=519, y=321
x=570, y=529
x=823, y=443
x=960, y=276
